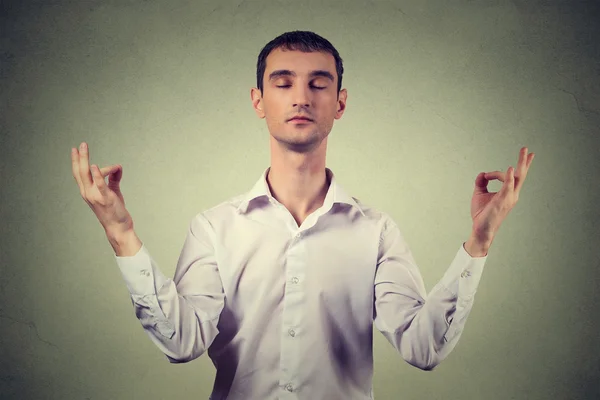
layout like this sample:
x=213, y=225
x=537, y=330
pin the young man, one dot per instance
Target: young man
x=281, y=285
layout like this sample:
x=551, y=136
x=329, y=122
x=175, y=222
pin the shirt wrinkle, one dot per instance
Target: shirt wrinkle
x=287, y=312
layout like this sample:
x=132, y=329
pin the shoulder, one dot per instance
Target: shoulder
x=383, y=221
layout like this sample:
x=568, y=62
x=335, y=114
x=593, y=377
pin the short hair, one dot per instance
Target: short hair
x=304, y=41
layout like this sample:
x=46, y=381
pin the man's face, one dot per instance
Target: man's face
x=299, y=83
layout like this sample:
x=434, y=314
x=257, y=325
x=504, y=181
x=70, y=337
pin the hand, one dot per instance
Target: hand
x=106, y=201
x=488, y=210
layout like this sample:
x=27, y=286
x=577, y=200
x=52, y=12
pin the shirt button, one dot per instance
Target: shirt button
x=465, y=274
x=294, y=280
x=289, y=387
x=292, y=333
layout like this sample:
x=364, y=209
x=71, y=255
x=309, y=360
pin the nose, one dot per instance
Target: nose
x=301, y=96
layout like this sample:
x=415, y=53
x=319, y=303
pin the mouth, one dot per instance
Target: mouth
x=300, y=120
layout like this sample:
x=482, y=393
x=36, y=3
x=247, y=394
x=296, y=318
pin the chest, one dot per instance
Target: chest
x=336, y=267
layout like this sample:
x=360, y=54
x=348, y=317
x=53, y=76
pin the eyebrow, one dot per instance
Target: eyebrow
x=287, y=72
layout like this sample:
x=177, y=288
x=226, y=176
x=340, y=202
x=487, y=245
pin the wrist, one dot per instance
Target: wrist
x=476, y=248
x=124, y=243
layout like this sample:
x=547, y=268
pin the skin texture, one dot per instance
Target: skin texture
x=297, y=176
x=298, y=151
x=489, y=210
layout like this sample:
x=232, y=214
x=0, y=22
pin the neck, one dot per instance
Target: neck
x=301, y=187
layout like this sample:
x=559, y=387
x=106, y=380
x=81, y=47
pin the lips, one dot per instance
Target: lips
x=300, y=119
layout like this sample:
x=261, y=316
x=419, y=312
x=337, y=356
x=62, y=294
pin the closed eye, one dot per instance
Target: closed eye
x=314, y=87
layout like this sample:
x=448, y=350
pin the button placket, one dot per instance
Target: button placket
x=294, y=298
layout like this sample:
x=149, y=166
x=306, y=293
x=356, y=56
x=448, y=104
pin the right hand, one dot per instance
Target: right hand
x=106, y=201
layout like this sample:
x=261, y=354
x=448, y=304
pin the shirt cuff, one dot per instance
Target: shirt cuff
x=463, y=276
x=138, y=272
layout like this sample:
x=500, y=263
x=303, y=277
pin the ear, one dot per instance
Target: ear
x=341, y=103
x=257, y=103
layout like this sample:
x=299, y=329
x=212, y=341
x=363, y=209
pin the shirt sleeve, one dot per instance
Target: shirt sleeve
x=180, y=315
x=423, y=328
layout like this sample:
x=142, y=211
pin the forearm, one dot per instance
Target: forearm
x=124, y=244
x=438, y=325
x=181, y=326
x=425, y=328
x=435, y=329
x=476, y=248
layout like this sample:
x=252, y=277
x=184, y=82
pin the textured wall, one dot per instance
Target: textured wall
x=436, y=94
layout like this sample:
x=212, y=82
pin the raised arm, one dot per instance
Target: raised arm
x=180, y=316
x=105, y=200
x=423, y=328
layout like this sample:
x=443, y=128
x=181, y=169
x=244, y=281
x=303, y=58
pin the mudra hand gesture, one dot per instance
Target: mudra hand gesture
x=488, y=210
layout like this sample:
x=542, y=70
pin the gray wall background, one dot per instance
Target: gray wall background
x=437, y=94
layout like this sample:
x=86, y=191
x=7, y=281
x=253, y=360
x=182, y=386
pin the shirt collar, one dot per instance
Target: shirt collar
x=335, y=193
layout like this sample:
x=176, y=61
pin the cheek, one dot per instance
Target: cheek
x=273, y=110
x=330, y=114
x=272, y=119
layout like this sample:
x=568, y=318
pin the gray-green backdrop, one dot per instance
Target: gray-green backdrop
x=437, y=92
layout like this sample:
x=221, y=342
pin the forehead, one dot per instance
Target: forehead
x=299, y=62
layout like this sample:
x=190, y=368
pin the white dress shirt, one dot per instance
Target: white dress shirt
x=287, y=312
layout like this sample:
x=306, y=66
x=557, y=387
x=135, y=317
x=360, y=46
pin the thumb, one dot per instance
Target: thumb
x=481, y=183
x=114, y=172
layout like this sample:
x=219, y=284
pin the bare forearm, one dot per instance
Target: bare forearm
x=125, y=244
x=475, y=248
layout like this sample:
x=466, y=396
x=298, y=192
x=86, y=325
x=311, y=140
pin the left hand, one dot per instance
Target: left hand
x=488, y=210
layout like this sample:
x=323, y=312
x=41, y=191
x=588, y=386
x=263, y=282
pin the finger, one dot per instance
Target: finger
x=499, y=175
x=522, y=158
x=75, y=169
x=481, y=183
x=530, y=159
x=520, y=177
x=115, y=177
x=114, y=173
x=98, y=180
x=484, y=178
x=521, y=171
x=84, y=166
x=509, y=183
x=105, y=171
